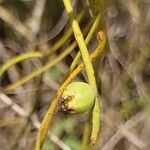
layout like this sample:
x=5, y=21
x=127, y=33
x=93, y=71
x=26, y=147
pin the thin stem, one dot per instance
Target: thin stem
x=81, y=43
x=89, y=69
x=86, y=134
x=17, y=59
x=87, y=40
x=40, y=70
x=48, y=117
x=43, y=68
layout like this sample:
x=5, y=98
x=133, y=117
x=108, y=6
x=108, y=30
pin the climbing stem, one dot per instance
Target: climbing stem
x=81, y=43
x=87, y=40
x=40, y=70
x=48, y=117
x=86, y=134
x=14, y=60
x=89, y=69
x=45, y=67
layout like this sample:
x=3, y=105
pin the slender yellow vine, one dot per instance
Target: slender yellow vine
x=86, y=134
x=40, y=70
x=48, y=117
x=89, y=69
x=46, y=66
x=87, y=40
x=17, y=59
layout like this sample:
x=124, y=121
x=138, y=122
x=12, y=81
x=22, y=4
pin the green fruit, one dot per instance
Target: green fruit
x=78, y=97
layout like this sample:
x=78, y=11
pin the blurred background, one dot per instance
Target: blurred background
x=123, y=73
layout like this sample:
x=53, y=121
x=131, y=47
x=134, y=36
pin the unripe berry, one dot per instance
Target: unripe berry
x=78, y=97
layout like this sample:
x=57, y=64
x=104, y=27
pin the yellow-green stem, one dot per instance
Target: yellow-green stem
x=17, y=59
x=81, y=43
x=86, y=134
x=43, y=68
x=89, y=69
x=87, y=40
x=40, y=70
x=48, y=118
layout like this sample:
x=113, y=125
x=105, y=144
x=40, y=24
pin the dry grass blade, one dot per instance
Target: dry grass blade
x=21, y=112
x=124, y=131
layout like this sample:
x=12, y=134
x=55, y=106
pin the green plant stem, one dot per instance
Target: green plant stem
x=89, y=69
x=17, y=59
x=87, y=40
x=40, y=70
x=48, y=117
x=81, y=43
x=86, y=134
